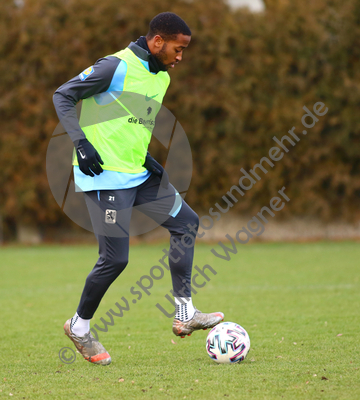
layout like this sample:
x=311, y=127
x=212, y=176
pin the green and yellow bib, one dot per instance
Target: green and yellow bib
x=121, y=130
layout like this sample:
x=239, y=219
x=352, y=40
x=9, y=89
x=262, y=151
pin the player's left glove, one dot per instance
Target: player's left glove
x=153, y=166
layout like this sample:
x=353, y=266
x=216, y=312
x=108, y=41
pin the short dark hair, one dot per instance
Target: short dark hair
x=168, y=25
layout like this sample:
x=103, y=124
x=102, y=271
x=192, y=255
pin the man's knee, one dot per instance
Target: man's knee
x=192, y=222
x=194, y=219
x=109, y=267
x=190, y=229
x=117, y=262
x=187, y=223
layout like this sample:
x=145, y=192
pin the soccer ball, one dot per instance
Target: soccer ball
x=228, y=343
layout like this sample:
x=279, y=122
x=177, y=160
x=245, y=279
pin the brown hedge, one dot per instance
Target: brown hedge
x=244, y=79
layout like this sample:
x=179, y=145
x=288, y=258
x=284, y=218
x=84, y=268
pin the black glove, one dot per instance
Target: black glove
x=88, y=158
x=153, y=166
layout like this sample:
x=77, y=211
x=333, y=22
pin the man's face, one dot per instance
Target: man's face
x=171, y=52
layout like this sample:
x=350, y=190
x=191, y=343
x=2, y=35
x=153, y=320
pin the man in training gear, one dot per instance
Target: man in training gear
x=114, y=170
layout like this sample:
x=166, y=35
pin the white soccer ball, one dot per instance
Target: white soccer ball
x=227, y=343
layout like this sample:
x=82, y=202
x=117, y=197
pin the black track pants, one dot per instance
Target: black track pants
x=110, y=212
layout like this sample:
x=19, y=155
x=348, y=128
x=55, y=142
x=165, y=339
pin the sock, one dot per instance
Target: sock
x=79, y=326
x=184, y=309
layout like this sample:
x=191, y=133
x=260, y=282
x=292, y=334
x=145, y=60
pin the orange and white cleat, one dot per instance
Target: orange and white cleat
x=198, y=321
x=90, y=348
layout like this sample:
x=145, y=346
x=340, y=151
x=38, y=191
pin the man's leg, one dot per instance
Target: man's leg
x=110, y=213
x=111, y=226
x=167, y=208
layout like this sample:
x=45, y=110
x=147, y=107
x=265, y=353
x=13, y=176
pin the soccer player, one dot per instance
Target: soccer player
x=114, y=170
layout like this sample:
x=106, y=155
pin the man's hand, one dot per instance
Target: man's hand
x=88, y=158
x=153, y=166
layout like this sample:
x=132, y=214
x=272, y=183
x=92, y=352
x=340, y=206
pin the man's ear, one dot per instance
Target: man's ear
x=158, y=41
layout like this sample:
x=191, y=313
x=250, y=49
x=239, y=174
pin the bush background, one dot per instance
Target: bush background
x=244, y=79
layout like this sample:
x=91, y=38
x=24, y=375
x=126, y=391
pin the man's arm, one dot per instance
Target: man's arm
x=95, y=79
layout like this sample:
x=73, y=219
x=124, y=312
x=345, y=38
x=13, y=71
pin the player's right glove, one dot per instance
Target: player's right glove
x=88, y=158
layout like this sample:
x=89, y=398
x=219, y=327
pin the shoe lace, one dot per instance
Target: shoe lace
x=84, y=340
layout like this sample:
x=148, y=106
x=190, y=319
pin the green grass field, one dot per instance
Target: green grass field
x=298, y=302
